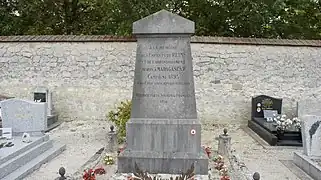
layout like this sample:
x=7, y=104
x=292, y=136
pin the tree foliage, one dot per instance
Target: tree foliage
x=242, y=18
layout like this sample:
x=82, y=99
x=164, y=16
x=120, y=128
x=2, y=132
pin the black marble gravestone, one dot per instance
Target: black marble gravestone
x=267, y=130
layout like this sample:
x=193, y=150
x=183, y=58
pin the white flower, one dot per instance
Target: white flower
x=283, y=116
x=288, y=121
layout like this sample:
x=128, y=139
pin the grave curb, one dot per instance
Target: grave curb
x=307, y=165
x=263, y=143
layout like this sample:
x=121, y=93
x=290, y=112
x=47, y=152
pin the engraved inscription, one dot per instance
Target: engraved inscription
x=162, y=65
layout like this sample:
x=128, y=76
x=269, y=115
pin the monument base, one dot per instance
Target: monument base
x=52, y=122
x=163, y=146
x=162, y=163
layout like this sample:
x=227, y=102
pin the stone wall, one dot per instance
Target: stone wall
x=89, y=76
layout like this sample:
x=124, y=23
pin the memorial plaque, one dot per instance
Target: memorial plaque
x=164, y=86
x=269, y=114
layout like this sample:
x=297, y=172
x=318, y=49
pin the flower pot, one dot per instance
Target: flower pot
x=280, y=133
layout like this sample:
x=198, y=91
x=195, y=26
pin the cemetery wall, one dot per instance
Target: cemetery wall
x=89, y=74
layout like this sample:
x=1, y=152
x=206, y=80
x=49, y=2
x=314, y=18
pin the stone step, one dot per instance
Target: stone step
x=23, y=158
x=35, y=163
x=11, y=154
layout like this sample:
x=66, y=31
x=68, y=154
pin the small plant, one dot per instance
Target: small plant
x=120, y=117
x=108, y=160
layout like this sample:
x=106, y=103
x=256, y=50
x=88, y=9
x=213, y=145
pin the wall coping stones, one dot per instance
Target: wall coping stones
x=195, y=39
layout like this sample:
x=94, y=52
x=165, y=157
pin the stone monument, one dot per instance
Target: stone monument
x=163, y=133
x=311, y=135
x=24, y=116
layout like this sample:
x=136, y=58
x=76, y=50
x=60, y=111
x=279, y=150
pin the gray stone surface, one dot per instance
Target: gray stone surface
x=47, y=99
x=24, y=116
x=307, y=165
x=164, y=133
x=224, y=145
x=112, y=143
x=23, y=158
x=308, y=107
x=311, y=135
x=163, y=22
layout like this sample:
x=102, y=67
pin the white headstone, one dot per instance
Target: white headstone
x=47, y=98
x=311, y=135
x=24, y=116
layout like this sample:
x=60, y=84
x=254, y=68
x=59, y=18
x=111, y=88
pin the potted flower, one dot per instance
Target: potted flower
x=283, y=123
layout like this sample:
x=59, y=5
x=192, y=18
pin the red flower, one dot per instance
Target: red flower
x=225, y=178
x=89, y=175
x=100, y=171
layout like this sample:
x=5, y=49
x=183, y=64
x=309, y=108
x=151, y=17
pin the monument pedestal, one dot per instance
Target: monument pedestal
x=163, y=146
x=162, y=163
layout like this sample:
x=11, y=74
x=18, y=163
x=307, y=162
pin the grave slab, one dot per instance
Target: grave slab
x=18, y=161
x=267, y=130
x=163, y=133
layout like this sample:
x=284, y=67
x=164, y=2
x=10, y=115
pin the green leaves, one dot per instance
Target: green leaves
x=120, y=117
x=242, y=18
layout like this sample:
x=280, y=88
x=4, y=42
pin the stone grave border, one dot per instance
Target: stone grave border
x=308, y=165
x=263, y=143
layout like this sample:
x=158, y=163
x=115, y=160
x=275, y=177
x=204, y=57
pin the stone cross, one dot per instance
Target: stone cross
x=163, y=133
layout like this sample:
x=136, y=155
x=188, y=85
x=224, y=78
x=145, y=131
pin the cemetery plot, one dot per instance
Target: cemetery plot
x=264, y=123
x=24, y=147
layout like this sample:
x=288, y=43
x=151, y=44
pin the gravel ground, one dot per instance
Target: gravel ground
x=83, y=140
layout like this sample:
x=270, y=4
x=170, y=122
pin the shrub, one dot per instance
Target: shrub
x=119, y=117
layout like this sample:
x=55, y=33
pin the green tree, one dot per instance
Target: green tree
x=242, y=18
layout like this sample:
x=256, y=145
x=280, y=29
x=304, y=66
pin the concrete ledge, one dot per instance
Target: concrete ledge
x=307, y=165
x=296, y=170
